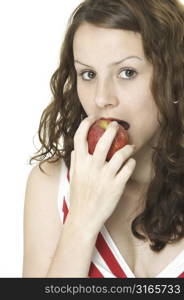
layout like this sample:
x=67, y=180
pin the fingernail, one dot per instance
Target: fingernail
x=114, y=123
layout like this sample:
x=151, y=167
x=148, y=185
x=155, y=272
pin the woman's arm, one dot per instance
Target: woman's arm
x=50, y=248
x=74, y=252
x=42, y=225
x=95, y=190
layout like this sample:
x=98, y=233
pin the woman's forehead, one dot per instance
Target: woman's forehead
x=90, y=40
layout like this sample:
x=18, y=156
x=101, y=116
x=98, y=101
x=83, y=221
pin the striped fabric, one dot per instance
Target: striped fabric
x=107, y=262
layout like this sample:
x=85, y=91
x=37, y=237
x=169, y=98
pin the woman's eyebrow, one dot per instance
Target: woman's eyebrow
x=114, y=63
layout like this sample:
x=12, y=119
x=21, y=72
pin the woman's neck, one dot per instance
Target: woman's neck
x=144, y=170
x=133, y=199
x=143, y=173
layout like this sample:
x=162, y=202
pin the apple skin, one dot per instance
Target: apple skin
x=96, y=131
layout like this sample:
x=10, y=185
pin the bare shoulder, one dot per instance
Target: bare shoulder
x=42, y=187
x=42, y=225
x=51, y=170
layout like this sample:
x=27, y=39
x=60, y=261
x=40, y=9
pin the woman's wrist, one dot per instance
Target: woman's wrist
x=83, y=230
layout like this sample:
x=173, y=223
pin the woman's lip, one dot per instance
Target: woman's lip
x=123, y=123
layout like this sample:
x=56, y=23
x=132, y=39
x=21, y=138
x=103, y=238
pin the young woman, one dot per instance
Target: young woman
x=84, y=216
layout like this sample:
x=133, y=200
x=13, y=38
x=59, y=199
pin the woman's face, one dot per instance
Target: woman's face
x=113, y=79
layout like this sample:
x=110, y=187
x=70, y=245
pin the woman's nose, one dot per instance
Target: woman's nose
x=105, y=93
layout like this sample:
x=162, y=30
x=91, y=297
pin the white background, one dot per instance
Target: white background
x=31, y=33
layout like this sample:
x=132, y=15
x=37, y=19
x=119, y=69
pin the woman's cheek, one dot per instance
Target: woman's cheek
x=84, y=94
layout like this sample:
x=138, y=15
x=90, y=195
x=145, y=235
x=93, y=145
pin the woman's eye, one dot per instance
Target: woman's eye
x=87, y=75
x=128, y=73
x=125, y=74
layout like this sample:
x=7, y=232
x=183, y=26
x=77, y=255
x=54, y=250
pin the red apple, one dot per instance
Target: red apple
x=98, y=128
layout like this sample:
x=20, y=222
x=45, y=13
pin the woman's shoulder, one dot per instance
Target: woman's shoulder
x=42, y=188
x=51, y=170
x=43, y=185
x=42, y=224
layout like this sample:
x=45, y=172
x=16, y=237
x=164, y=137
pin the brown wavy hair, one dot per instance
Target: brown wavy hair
x=161, y=25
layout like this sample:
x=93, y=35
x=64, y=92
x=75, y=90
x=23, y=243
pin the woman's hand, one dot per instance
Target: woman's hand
x=96, y=185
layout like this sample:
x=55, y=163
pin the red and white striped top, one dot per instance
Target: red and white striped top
x=107, y=262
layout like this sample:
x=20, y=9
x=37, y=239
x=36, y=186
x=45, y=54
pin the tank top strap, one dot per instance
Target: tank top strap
x=63, y=192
